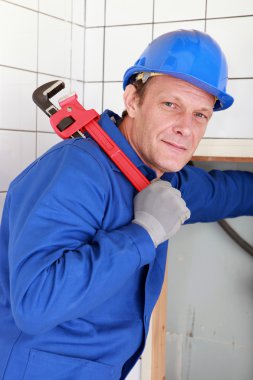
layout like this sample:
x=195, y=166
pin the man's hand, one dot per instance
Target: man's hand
x=160, y=209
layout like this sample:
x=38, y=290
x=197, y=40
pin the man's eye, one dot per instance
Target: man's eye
x=201, y=115
x=169, y=104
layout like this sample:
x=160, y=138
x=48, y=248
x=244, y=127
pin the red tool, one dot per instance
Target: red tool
x=72, y=120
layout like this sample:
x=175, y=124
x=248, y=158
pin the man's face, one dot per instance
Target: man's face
x=168, y=124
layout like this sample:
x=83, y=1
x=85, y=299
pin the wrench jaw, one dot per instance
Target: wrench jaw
x=71, y=118
x=43, y=93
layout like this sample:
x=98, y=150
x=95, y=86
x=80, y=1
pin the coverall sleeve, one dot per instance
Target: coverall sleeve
x=62, y=263
x=215, y=195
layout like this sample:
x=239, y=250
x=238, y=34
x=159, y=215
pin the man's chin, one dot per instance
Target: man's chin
x=176, y=165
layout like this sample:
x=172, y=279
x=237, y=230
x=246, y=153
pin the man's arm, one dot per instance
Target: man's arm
x=62, y=263
x=214, y=195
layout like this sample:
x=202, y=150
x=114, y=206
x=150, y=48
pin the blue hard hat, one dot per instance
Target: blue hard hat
x=190, y=55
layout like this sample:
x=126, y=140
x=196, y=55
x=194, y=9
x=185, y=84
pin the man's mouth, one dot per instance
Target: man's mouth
x=175, y=146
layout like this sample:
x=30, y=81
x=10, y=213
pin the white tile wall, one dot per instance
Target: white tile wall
x=234, y=122
x=32, y=43
x=95, y=12
x=223, y=8
x=94, y=50
x=18, y=37
x=78, y=11
x=77, y=50
x=78, y=88
x=236, y=46
x=17, y=150
x=161, y=28
x=54, y=54
x=120, y=12
x=93, y=96
x=170, y=10
x=17, y=109
x=120, y=51
x=113, y=97
x=32, y=4
x=57, y=8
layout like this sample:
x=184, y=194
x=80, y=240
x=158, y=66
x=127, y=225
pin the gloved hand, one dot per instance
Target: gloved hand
x=160, y=209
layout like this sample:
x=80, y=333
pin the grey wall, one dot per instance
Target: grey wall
x=210, y=306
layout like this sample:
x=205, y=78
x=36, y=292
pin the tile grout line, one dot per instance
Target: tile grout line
x=153, y=19
x=103, y=67
x=205, y=15
x=84, y=81
x=170, y=21
x=43, y=13
x=71, y=45
x=37, y=80
x=84, y=48
x=39, y=72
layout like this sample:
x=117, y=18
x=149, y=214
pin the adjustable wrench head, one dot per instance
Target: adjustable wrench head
x=45, y=92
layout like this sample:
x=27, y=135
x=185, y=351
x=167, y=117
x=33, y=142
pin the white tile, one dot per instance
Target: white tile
x=2, y=199
x=120, y=51
x=170, y=27
x=18, y=36
x=57, y=8
x=17, y=110
x=168, y=10
x=54, y=46
x=93, y=96
x=94, y=40
x=221, y=8
x=113, y=97
x=236, y=121
x=33, y=4
x=18, y=150
x=78, y=88
x=95, y=12
x=78, y=11
x=120, y=12
x=236, y=39
x=45, y=141
x=43, y=123
x=77, y=57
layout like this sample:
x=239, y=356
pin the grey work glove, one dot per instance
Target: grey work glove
x=160, y=209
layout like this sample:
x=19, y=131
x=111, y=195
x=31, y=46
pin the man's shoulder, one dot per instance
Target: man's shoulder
x=70, y=156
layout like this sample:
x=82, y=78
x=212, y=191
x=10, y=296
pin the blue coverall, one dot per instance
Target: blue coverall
x=78, y=280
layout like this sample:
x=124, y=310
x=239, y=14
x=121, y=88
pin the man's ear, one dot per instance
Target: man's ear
x=131, y=99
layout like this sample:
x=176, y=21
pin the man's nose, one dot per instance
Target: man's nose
x=184, y=124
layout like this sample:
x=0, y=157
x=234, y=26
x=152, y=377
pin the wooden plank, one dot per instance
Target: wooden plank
x=158, y=356
x=222, y=159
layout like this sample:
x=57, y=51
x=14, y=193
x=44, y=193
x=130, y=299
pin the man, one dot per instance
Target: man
x=82, y=255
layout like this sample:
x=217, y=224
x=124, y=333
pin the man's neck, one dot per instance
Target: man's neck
x=125, y=128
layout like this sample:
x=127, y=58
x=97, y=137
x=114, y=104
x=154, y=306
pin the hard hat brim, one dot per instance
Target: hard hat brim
x=224, y=100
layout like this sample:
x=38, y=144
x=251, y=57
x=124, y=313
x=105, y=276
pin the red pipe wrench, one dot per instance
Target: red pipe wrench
x=72, y=120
